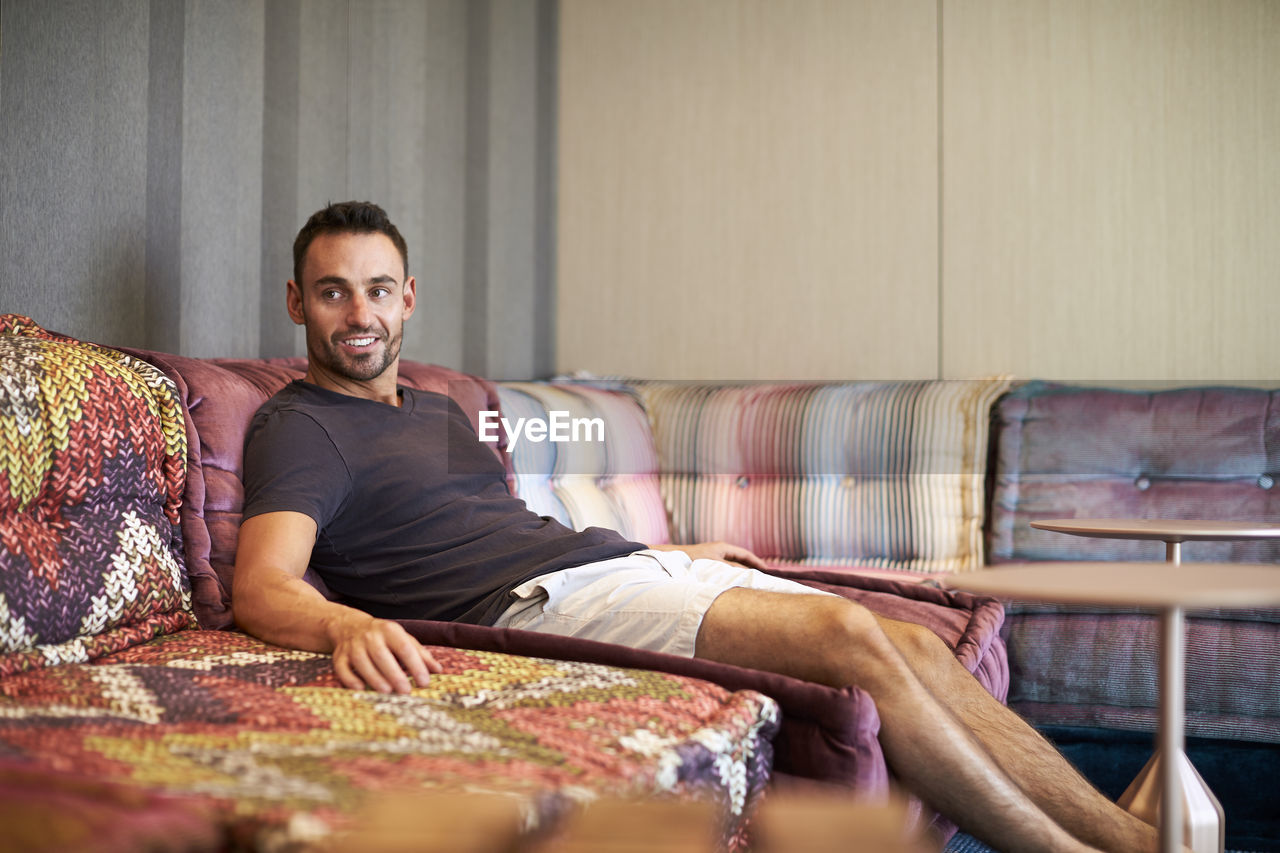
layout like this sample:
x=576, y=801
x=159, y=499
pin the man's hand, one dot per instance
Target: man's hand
x=722, y=551
x=379, y=654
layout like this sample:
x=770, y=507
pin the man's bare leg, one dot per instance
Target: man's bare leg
x=1031, y=761
x=832, y=641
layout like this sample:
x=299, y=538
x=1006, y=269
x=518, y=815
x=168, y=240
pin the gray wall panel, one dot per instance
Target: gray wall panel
x=164, y=175
x=322, y=106
x=73, y=83
x=222, y=177
x=276, y=333
x=439, y=261
x=158, y=157
x=512, y=153
x=475, y=285
x=507, y=318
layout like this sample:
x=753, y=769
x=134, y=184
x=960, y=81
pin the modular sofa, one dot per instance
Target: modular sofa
x=870, y=490
x=133, y=715
x=905, y=480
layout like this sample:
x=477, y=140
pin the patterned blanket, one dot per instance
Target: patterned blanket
x=246, y=744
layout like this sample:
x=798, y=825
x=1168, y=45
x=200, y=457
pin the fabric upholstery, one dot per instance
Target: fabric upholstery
x=1074, y=452
x=219, y=397
x=1076, y=666
x=91, y=481
x=280, y=754
x=885, y=475
x=611, y=483
x=827, y=734
x=1195, y=453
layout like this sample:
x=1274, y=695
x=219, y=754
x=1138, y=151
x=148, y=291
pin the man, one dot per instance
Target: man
x=389, y=495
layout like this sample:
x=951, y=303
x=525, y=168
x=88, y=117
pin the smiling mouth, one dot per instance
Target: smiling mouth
x=360, y=343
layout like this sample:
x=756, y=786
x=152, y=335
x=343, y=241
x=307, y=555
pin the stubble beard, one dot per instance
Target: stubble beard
x=360, y=368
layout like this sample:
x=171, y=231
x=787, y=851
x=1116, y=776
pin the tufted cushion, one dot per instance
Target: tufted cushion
x=886, y=475
x=220, y=397
x=611, y=483
x=1072, y=452
x=91, y=480
x=1200, y=453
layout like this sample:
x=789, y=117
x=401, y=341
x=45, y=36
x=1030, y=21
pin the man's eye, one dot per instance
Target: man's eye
x=379, y=292
x=331, y=294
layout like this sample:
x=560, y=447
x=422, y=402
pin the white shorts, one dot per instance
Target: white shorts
x=652, y=600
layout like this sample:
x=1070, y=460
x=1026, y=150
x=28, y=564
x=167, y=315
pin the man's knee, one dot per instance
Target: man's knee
x=851, y=636
x=825, y=639
x=917, y=643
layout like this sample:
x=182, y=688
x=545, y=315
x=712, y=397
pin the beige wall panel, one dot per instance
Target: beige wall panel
x=748, y=189
x=1111, y=189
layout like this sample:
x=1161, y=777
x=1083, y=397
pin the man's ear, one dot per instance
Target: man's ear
x=410, y=296
x=293, y=301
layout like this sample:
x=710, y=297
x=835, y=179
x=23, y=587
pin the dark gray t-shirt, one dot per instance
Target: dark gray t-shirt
x=414, y=515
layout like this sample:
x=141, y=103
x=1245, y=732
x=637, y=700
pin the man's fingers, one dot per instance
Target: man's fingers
x=369, y=665
x=743, y=556
x=381, y=655
x=346, y=673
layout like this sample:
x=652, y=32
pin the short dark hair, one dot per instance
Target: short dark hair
x=347, y=217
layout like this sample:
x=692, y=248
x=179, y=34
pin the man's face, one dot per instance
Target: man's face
x=354, y=303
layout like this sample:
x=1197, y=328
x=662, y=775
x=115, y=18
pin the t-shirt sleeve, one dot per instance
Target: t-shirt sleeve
x=291, y=464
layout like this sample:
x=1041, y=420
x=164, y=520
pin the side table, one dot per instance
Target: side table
x=1172, y=532
x=1168, y=588
x=1142, y=797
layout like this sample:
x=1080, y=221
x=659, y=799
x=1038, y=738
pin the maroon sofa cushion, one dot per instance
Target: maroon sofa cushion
x=220, y=397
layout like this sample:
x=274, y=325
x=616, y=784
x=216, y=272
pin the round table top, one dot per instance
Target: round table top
x=1159, y=585
x=1163, y=529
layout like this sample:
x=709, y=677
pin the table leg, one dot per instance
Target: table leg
x=1173, y=676
x=1169, y=790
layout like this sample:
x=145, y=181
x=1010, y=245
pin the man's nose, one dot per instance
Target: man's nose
x=359, y=312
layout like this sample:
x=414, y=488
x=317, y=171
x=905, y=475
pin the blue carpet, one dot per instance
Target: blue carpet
x=961, y=843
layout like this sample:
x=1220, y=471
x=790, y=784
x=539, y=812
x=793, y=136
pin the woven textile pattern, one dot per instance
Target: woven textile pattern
x=886, y=475
x=92, y=465
x=268, y=738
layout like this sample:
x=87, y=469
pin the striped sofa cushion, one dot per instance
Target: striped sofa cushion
x=92, y=447
x=605, y=476
x=886, y=475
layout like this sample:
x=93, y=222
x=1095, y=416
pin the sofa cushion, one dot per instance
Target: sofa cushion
x=280, y=754
x=219, y=397
x=91, y=481
x=1191, y=453
x=1086, y=666
x=604, y=478
x=1078, y=452
x=886, y=475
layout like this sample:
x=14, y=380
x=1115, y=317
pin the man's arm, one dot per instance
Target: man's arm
x=272, y=601
x=722, y=551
